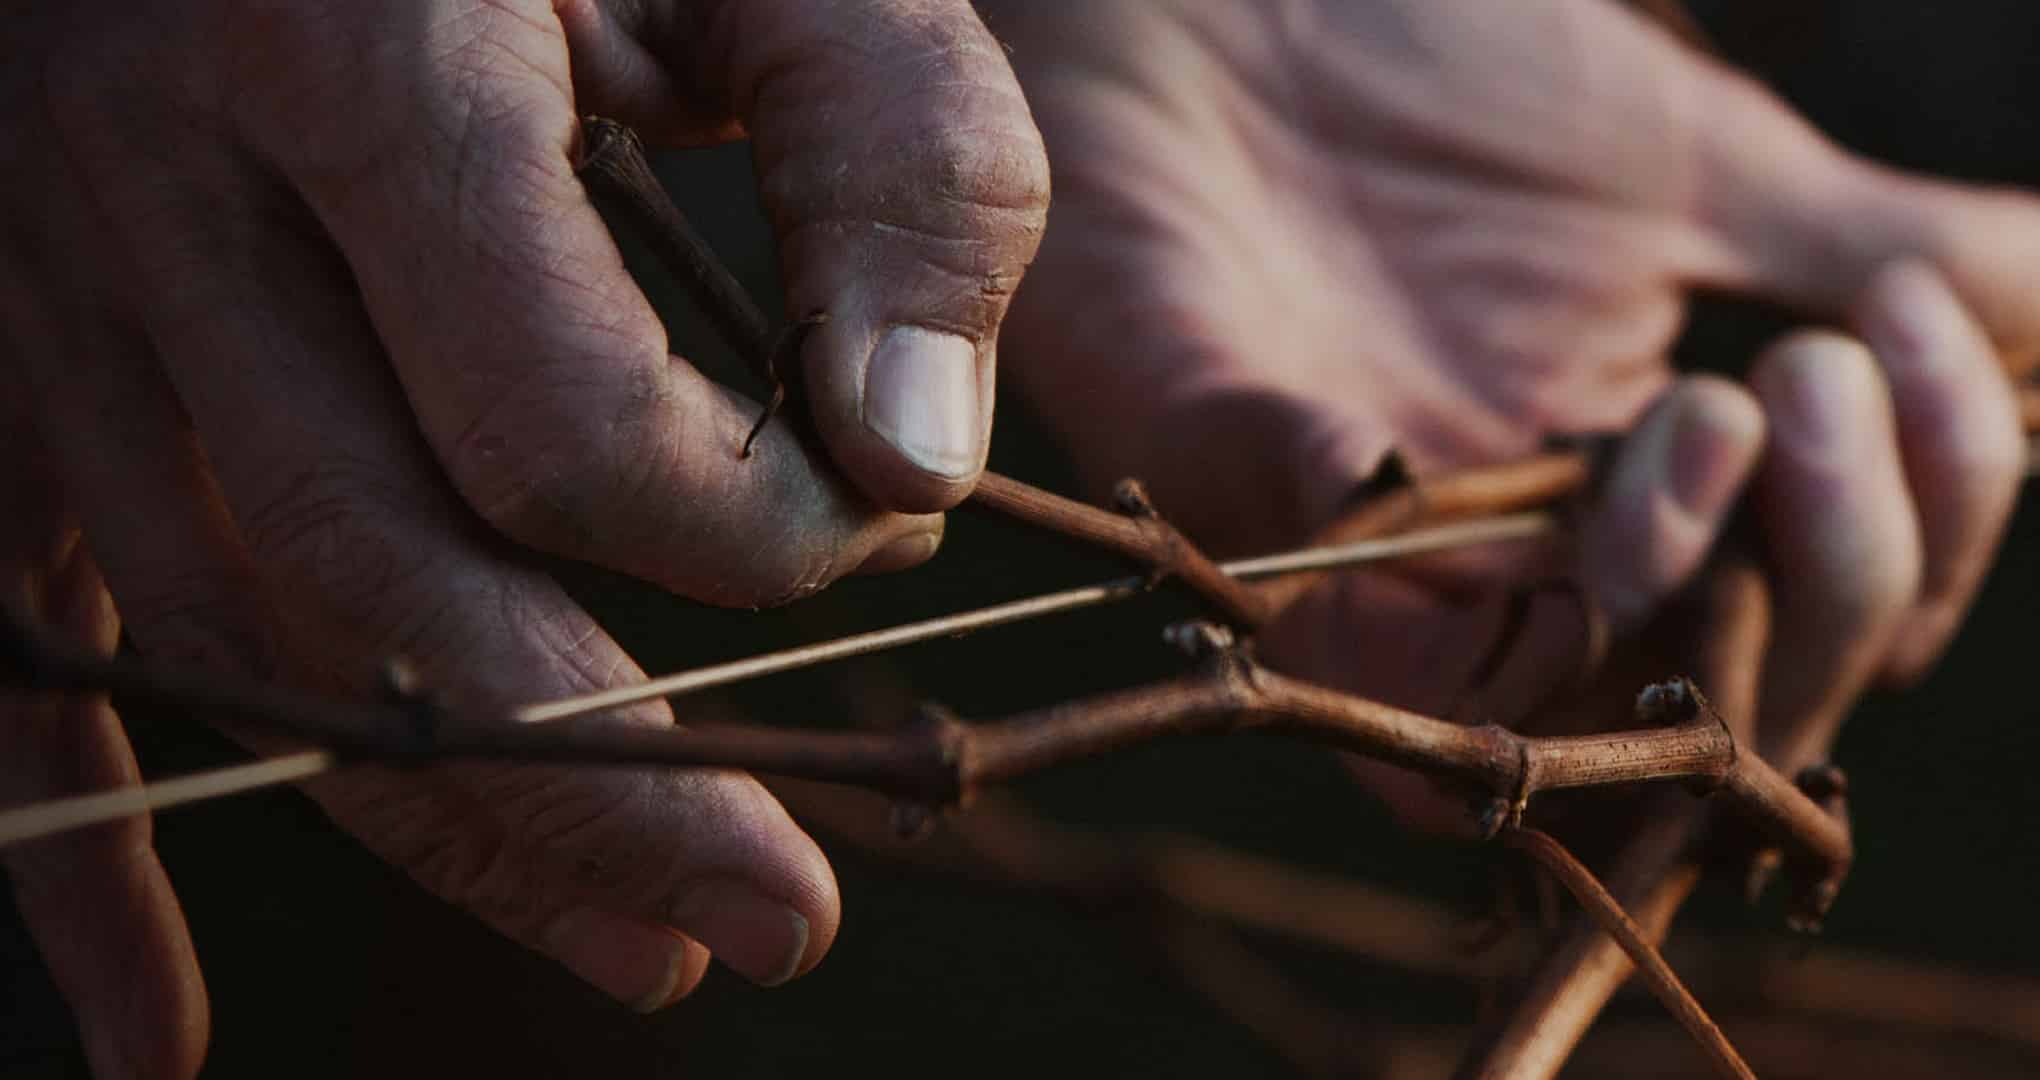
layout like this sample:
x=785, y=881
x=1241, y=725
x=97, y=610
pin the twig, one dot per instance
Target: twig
x=57, y=815
x=1798, y=1049
x=1657, y=866
x=999, y=843
x=1502, y=529
x=1663, y=982
x=1568, y=989
x=1627, y=1049
x=1396, y=501
x=1314, y=1038
x=614, y=169
x=941, y=761
x=1139, y=533
x=1196, y=879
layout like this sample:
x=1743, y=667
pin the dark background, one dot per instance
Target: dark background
x=322, y=961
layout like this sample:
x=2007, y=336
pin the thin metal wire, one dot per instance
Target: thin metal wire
x=1485, y=530
x=60, y=815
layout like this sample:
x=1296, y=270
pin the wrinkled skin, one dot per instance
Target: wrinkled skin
x=312, y=334
x=1290, y=236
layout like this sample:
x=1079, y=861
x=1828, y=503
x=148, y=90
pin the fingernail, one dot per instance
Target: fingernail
x=635, y=963
x=901, y=554
x=762, y=939
x=921, y=395
x=1711, y=448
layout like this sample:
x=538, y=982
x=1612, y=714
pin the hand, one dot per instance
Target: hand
x=1290, y=237
x=307, y=314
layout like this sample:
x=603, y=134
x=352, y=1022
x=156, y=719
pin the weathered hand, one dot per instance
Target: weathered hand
x=308, y=317
x=1289, y=237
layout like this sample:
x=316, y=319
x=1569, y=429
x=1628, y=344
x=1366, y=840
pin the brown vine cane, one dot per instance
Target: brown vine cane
x=943, y=761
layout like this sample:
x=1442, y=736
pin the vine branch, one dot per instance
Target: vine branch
x=940, y=761
x=1658, y=975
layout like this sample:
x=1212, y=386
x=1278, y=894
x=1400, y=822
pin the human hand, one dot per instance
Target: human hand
x=308, y=314
x=1290, y=237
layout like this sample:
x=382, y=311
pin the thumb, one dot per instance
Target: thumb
x=908, y=188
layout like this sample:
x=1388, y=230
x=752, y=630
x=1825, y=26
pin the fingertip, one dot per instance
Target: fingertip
x=1824, y=395
x=1718, y=431
x=170, y=1044
x=764, y=937
x=116, y=944
x=905, y=552
x=906, y=412
x=766, y=903
x=1669, y=492
x=644, y=966
x=688, y=975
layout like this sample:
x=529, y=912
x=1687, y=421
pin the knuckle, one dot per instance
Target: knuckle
x=445, y=100
x=287, y=65
x=511, y=841
x=552, y=464
x=962, y=189
x=984, y=179
x=342, y=531
x=200, y=618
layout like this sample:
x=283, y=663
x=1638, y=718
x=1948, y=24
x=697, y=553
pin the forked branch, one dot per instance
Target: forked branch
x=941, y=761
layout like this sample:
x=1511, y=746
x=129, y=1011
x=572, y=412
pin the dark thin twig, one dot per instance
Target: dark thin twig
x=1139, y=533
x=1663, y=982
x=614, y=169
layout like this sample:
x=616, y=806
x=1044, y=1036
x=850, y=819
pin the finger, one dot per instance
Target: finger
x=96, y=901
x=365, y=555
x=1496, y=657
x=1805, y=223
x=1840, y=533
x=908, y=188
x=1667, y=496
x=1961, y=441
x=536, y=368
x=195, y=599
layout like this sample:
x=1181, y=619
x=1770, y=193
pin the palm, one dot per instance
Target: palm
x=1353, y=237
x=1289, y=237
